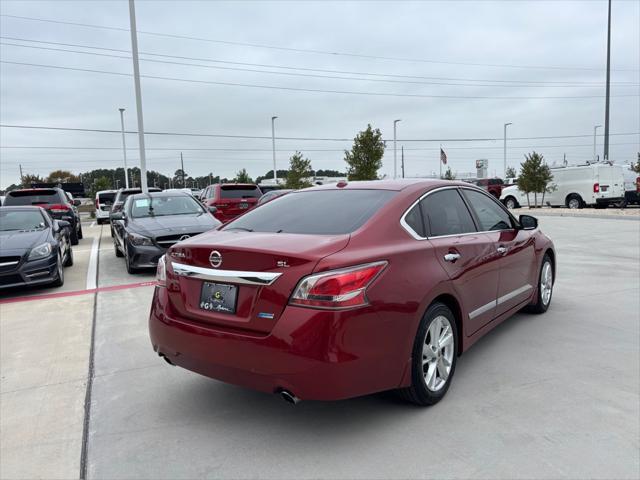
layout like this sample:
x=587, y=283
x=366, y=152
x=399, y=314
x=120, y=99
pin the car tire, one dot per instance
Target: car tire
x=117, y=250
x=511, y=203
x=545, y=287
x=68, y=262
x=112, y=235
x=74, y=237
x=430, y=386
x=59, y=281
x=80, y=231
x=131, y=270
x=574, y=201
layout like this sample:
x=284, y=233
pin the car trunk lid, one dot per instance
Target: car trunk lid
x=264, y=268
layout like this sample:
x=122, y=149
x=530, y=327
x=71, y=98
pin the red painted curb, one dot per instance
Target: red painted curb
x=74, y=293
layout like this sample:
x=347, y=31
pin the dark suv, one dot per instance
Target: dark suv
x=231, y=199
x=121, y=197
x=53, y=200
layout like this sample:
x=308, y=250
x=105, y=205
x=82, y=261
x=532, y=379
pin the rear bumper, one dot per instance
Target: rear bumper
x=31, y=273
x=316, y=355
x=609, y=201
x=102, y=214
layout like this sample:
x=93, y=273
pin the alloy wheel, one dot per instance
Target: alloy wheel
x=574, y=203
x=546, y=283
x=511, y=204
x=437, y=353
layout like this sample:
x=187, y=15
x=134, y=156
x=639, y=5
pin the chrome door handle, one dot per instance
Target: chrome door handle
x=451, y=257
x=502, y=250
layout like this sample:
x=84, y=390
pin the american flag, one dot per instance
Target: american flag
x=443, y=156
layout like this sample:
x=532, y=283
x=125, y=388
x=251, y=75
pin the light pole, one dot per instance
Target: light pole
x=505, y=147
x=607, y=89
x=395, y=155
x=124, y=149
x=595, y=129
x=136, y=81
x=273, y=147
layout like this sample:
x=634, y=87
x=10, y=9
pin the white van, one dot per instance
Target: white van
x=104, y=200
x=597, y=185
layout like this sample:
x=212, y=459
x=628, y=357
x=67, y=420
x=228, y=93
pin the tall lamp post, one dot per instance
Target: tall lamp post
x=395, y=154
x=595, y=129
x=505, y=147
x=124, y=149
x=273, y=147
x=607, y=89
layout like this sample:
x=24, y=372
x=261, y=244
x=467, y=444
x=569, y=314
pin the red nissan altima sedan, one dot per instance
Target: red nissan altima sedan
x=348, y=289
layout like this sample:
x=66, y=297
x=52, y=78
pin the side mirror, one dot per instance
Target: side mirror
x=60, y=225
x=117, y=216
x=76, y=203
x=212, y=210
x=527, y=222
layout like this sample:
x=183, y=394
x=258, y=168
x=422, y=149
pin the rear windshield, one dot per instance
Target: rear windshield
x=321, y=212
x=239, y=191
x=106, y=198
x=31, y=197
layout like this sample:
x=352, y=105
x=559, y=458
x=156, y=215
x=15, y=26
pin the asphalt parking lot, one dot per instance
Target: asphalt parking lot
x=550, y=396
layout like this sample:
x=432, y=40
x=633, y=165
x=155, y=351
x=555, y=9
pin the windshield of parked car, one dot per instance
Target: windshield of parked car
x=33, y=197
x=166, y=205
x=240, y=191
x=320, y=212
x=15, y=220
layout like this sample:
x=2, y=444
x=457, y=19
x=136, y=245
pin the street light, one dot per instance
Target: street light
x=505, y=147
x=595, y=129
x=395, y=156
x=273, y=146
x=124, y=148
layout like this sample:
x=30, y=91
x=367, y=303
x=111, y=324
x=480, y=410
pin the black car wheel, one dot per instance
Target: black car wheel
x=116, y=249
x=435, y=352
x=59, y=281
x=80, y=230
x=69, y=260
x=74, y=236
x=130, y=268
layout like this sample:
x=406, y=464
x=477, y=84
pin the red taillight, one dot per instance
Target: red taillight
x=596, y=187
x=58, y=208
x=97, y=205
x=344, y=288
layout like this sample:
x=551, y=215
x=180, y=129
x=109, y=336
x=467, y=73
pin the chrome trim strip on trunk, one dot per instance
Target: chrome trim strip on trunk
x=228, y=276
x=482, y=309
x=6, y=264
x=515, y=293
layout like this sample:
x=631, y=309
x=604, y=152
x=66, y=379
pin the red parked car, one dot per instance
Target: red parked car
x=492, y=185
x=231, y=199
x=343, y=290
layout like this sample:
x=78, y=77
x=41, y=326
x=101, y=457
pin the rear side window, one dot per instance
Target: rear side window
x=490, y=215
x=106, y=198
x=239, y=191
x=414, y=220
x=324, y=212
x=33, y=197
x=447, y=214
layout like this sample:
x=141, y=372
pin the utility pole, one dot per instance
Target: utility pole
x=606, y=102
x=395, y=160
x=505, y=147
x=402, y=160
x=273, y=147
x=182, y=169
x=136, y=81
x=595, y=129
x=124, y=149
x=21, y=176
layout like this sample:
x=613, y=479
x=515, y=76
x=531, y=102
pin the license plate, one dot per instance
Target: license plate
x=243, y=206
x=218, y=297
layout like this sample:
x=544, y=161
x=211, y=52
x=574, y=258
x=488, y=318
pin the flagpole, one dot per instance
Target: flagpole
x=440, y=160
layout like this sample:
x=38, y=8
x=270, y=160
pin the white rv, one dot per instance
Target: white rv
x=597, y=185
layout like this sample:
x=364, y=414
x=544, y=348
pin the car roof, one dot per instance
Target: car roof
x=172, y=193
x=34, y=190
x=237, y=184
x=388, y=184
x=23, y=207
x=106, y=191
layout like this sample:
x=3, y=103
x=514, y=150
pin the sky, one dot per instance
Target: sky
x=450, y=70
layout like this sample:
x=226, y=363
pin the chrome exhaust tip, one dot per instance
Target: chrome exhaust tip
x=289, y=397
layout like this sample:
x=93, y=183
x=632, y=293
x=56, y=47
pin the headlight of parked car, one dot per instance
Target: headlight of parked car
x=41, y=251
x=139, y=240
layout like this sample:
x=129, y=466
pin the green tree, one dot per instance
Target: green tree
x=102, y=183
x=510, y=173
x=29, y=178
x=299, y=172
x=179, y=177
x=243, y=177
x=62, y=176
x=449, y=175
x=535, y=177
x=365, y=158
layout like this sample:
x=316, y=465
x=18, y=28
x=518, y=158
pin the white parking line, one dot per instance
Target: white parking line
x=93, y=224
x=93, y=264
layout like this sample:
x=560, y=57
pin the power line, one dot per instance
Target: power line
x=312, y=51
x=317, y=90
x=509, y=83
x=257, y=137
